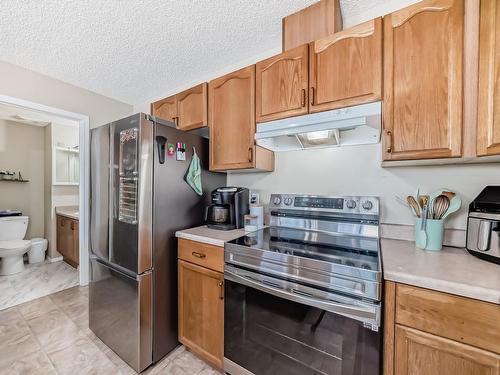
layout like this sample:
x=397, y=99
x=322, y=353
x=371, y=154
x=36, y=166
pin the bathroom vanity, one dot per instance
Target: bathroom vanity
x=68, y=237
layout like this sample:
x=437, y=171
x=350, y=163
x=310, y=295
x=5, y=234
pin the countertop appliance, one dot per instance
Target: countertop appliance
x=228, y=208
x=138, y=199
x=483, y=225
x=304, y=295
x=348, y=126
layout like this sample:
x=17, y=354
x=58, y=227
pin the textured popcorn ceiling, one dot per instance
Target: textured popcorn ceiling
x=134, y=50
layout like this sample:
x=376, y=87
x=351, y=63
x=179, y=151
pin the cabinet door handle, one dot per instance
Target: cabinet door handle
x=250, y=154
x=62, y=222
x=389, y=141
x=303, y=97
x=72, y=226
x=312, y=95
x=221, y=289
x=198, y=255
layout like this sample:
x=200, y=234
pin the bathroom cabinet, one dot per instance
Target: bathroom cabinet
x=68, y=239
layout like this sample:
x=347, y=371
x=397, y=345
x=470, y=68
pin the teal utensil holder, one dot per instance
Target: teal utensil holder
x=430, y=238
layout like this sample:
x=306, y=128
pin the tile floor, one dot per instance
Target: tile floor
x=37, y=280
x=50, y=335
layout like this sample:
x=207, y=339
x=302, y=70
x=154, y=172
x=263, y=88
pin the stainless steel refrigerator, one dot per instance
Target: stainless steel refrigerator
x=138, y=200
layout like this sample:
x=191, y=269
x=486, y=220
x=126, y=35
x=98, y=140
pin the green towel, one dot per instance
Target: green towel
x=193, y=174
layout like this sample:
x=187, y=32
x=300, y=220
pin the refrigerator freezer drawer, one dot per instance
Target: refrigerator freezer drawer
x=121, y=313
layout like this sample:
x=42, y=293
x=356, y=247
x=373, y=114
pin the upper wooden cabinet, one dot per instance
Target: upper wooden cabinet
x=282, y=85
x=488, y=128
x=165, y=108
x=423, y=80
x=232, y=123
x=192, y=108
x=314, y=22
x=188, y=109
x=346, y=68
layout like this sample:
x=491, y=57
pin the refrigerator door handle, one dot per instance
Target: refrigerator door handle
x=115, y=267
x=160, y=142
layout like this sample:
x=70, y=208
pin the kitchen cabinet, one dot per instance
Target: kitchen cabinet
x=165, y=108
x=314, y=22
x=423, y=80
x=488, y=128
x=340, y=70
x=67, y=239
x=424, y=354
x=188, y=109
x=346, y=68
x=282, y=84
x=232, y=124
x=201, y=300
x=428, y=332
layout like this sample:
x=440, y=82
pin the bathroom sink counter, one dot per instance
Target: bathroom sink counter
x=71, y=212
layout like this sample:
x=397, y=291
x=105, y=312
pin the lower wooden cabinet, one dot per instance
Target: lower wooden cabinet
x=201, y=303
x=433, y=333
x=68, y=239
x=421, y=353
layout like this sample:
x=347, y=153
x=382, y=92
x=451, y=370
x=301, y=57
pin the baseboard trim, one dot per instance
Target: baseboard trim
x=53, y=260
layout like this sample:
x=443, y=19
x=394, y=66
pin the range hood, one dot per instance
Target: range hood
x=348, y=126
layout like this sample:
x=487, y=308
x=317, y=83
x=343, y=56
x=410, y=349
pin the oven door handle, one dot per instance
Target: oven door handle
x=363, y=312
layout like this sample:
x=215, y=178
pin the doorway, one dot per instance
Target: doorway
x=78, y=173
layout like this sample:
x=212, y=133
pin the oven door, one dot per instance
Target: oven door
x=273, y=326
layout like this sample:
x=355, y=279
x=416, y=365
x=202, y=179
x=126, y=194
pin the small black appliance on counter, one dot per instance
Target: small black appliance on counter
x=483, y=225
x=228, y=208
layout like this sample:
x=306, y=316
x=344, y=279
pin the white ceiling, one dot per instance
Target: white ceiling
x=134, y=50
x=31, y=117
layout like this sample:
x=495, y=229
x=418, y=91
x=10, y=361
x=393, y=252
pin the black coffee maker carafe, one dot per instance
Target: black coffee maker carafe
x=228, y=208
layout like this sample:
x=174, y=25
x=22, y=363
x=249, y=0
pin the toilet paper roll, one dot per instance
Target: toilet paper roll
x=259, y=212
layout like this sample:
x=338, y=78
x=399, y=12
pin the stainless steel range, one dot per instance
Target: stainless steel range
x=303, y=296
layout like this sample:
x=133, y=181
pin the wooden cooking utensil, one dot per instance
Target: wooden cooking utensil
x=413, y=204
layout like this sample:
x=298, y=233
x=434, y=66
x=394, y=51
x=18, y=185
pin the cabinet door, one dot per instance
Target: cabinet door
x=165, y=108
x=425, y=354
x=232, y=120
x=201, y=311
x=64, y=236
x=423, y=53
x=192, y=111
x=282, y=84
x=346, y=67
x=488, y=129
x=75, y=253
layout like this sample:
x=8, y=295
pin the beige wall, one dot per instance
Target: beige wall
x=26, y=84
x=57, y=195
x=356, y=170
x=22, y=149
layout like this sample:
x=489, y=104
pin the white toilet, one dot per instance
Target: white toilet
x=12, y=244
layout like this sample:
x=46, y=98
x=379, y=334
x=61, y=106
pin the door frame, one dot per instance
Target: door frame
x=84, y=146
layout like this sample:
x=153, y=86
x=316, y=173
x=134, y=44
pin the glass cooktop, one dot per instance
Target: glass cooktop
x=346, y=250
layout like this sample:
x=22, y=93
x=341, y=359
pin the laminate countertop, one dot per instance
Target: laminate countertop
x=71, y=212
x=210, y=236
x=451, y=270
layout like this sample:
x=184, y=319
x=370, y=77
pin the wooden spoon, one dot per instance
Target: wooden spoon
x=413, y=204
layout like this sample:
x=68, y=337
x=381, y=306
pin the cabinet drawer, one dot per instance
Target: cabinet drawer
x=461, y=319
x=205, y=255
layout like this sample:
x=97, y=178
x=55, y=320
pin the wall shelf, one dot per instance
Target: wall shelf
x=14, y=180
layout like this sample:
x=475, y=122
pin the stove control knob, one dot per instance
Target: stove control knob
x=350, y=204
x=277, y=200
x=367, y=205
x=288, y=201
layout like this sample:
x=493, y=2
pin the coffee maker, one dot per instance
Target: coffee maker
x=228, y=208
